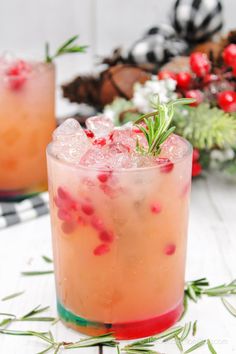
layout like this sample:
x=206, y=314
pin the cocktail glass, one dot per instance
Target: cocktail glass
x=27, y=119
x=119, y=241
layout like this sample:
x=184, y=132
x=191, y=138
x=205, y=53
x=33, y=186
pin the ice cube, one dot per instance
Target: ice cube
x=173, y=148
x=95, y=157
x=70, y=142
x=100, y=125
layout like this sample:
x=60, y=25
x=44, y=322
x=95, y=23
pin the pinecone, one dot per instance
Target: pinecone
x=116, y=81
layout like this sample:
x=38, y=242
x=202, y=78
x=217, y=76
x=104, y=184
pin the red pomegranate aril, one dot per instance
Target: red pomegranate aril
x=196, y=169
x=68, y=228
x=106, y=236
x=89, y=133
x=87, y=208
x=97, y=223
x=104, y=176
x=100, y=141
x=155, y=208
x=137, y=130
x=166, y=166
x=16, y=82
x=101, y=249
x=165, y=74
x=183, y=80
x=64, y=215
x=197, y=95
x=229, y=54
x=62, y=193
x=170, y=249
x=200, y=64
x=227, y=101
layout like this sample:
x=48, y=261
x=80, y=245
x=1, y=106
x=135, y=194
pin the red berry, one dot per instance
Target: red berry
x=183, y=80
x=197, y=95
x=166, y=165
x=227, y=101
x=229, y=54
x=210, y=78
x=196, y=169
x=101, y=249
x=196, y=154
x=89, y=133
x=104, y=176
x=155, y=208
x=170, y=249
x=100, y=141
x=200, y=64
x=165, y=74
x=87, y=208
x=106, y=236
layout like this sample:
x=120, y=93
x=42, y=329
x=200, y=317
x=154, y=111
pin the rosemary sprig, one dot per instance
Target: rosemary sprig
x=31, y=316
x=68, y=47
x=156, y=125
x=47, y=259
x=12, y=296
x=229, y=307
x=195, y=289
x=37, y=272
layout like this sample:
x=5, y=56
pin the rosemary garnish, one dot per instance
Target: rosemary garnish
x=12, y=296
x=37, y=272
x=229, y=307
x=156, y=125
x=47, y=259
x=30, y=316
x=68, y=47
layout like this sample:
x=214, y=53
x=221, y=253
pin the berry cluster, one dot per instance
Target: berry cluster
x=206, y=82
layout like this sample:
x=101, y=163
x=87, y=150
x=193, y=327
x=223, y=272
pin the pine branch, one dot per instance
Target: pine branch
x=206, y=127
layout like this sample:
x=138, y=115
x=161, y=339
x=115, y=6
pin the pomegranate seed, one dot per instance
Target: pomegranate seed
x=58, y=202
x=170, y=249
x=196, y=154
x=227, y=101
x=137, y=130
x=198, y=95
x=155, y=208
x=17, y=74
x=62, y=193
x=100, y=141
x=101, y=249
x=64, y=215
x=165, y=74
x=196, y=169
x=103, y=177
x=167, y=164
x=87, y=208
x=68, y=228
x=200, y=64
x=106, y=236
x=229, y=54
x=183, y=80
x=97, y=223
x=89, y=133
x=16, y=82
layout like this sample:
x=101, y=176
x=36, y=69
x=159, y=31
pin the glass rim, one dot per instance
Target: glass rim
x=188, y=151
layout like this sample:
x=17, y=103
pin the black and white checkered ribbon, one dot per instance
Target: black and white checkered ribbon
x=12, y=213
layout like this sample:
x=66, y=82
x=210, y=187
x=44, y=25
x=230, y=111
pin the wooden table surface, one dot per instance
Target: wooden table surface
x=211, y=254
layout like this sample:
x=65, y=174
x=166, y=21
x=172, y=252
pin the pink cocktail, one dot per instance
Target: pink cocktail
x=27, y=119
x=119, y=226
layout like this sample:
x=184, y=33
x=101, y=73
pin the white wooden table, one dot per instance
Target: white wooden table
x=211, y=254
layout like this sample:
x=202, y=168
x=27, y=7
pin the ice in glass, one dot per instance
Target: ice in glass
x=27, y=119
x=119, y=227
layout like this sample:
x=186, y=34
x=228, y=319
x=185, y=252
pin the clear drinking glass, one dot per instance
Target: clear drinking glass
x=27, y=120
x=119, y=241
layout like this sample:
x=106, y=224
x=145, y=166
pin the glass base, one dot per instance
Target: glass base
x=126, y=330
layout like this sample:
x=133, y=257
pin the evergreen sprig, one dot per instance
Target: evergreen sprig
x=69, y=46
x=156, y=125
x=206, y=127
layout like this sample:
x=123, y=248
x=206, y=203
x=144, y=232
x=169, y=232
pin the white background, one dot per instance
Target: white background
x=25, y=25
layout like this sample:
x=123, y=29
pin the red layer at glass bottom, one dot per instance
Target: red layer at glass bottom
x=128, y=330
